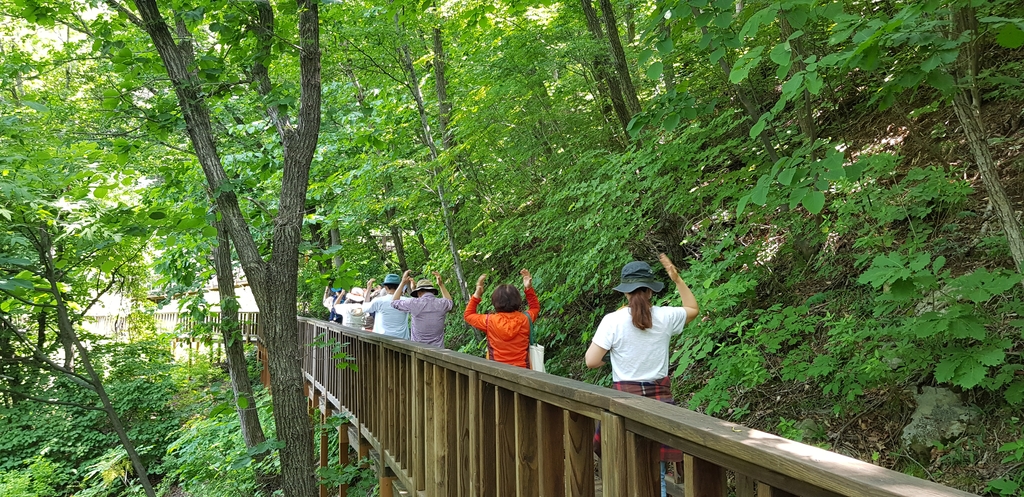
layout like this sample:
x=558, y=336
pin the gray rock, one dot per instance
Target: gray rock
x=810, y=429
x=940, y=417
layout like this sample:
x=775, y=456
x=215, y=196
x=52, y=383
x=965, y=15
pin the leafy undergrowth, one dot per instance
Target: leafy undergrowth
x=916, y=291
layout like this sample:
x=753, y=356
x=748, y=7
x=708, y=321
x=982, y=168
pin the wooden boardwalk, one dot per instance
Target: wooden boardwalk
x=448, y=424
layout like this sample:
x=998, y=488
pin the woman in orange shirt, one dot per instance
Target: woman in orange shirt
x=508, y=329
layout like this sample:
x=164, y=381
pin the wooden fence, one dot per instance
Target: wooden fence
x=248, y=323
x=448, y=424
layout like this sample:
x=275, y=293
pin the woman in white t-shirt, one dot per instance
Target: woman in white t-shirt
x=638, y=335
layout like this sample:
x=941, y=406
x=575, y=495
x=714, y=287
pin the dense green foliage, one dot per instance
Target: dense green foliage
x=800, y=161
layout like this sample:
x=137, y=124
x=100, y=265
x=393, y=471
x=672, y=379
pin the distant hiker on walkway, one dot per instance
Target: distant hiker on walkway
x=508, y=329
x=332, y=296
x=638, y=336
x=386, y=319
x=426, y=309
x=351, y=312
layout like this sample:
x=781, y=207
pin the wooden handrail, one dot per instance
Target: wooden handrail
x=446, y=423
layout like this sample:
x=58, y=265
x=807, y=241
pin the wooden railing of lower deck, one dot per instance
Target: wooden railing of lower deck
x=448, y=424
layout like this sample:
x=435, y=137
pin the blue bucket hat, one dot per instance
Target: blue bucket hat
x=392, y=279
x=638, y=274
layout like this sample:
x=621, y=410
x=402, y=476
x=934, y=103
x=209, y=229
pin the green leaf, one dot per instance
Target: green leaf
x=946, y=368
x=243, y=402
x=645, y=56
x=1014, y=393
x=786, y=177
x=759, y=126
x=992, y=356
x=1010, y=36
x=717, y=55
x=664, y=46
x=970, y=373
x=781, y=54
x=814, y=202
x=157, y=215
x=796, y=196
x=671, y=122
x=100, y=192
x=15, y=284
x=36, y=106
x=724, y=19
x=209, y=231
x=814, y=83
x=941, y=81
x=654, y=72
x=742, y=205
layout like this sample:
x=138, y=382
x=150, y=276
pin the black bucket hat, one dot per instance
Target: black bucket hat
x=638, y=274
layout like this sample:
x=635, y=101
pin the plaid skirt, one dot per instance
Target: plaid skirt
x=659, y=390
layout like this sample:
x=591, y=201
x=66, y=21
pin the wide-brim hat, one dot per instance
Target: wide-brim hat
x=638, y=274
x=424, y=284
x=356, y=295
x=392, y=279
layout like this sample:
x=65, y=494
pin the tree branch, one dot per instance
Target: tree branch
x=51, y=401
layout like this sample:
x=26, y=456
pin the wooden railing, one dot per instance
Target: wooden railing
x=448, y=424
x=248, y=323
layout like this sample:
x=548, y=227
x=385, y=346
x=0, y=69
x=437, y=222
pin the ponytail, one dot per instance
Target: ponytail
x=640, y=307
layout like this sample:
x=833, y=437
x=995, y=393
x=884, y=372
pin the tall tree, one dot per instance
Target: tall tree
x=273, y=280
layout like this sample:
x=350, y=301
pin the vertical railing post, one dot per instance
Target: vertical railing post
x=488, y=441
x=579, y=449
x=324, y=448
x=343, y=453
x=505, y=442
x=643, y=458
x=473, y=416
x=417, y=415
x=442, y=413
x=462, y=429
x=702, y=478
x=527, y=478
x=551, y=453
x=429, y=450
x=613, y=456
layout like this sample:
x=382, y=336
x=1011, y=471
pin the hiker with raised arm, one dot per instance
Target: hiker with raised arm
x=426, y=309
x=386, y=319
x=638, y=336
x=508, y=328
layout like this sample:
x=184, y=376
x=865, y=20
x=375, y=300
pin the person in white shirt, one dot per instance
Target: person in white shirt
x=638, y=335
x=351, y=312
x=386, y=319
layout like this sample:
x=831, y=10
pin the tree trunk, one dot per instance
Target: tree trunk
x=744, y=99
x=805, y=110
x=668, y=61
x=447, y=142
x=630, y=16
x=396, y=235
x=422, y=241
x=67, y=329
x=274, y=283
x=967, y=105
x=234, y=350
x=601, y=64
x=428, y=140
x=444, y=107
x=619, y=59
x=335, y=241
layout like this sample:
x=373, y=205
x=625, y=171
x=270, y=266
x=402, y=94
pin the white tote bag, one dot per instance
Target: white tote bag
x=536, y=350
x=537, y=357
